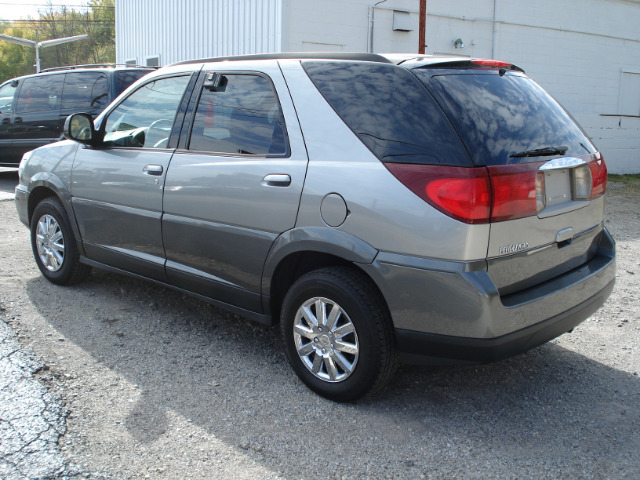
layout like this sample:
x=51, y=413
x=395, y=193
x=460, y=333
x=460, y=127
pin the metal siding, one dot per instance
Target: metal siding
x=184, y=29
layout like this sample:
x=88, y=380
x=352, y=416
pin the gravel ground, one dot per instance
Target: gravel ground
x=149, y=383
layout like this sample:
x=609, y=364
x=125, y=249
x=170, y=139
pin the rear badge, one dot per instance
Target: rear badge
x=516, y=247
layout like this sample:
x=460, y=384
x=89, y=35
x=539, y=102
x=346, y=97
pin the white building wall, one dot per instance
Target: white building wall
x=578, y=50
x=344, y=25
x=178, y=30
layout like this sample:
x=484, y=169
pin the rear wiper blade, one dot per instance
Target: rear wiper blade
x=542, y=152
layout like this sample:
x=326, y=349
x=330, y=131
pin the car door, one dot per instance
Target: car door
x=117, y=187
x=234, y=186
x=37, y=114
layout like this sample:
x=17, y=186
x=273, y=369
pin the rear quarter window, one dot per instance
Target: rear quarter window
x=391, y=112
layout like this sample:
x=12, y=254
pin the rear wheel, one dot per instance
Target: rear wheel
x=54, y=245
x=338, y=334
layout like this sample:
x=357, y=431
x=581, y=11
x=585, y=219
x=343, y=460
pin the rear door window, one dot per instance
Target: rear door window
x=85, y=90
x=40, y=94
x=241, y=116
x=503, y=118
x=391, y=112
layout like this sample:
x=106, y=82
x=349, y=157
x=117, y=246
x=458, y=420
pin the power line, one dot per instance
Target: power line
x=57, y=5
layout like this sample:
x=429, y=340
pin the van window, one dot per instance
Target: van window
x=85, y=90
x=40, y=94
x=124, y=78
x=244, y=117
x=6, y=98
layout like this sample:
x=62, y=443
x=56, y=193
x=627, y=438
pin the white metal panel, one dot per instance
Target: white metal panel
x=176, y=30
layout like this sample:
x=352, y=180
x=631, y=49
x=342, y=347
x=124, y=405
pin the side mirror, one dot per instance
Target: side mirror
x=79, y=128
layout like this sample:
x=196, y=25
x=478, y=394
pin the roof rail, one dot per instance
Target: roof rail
x=93, y=65
x=362, y=57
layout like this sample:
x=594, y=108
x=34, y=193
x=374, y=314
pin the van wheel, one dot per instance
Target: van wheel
x=338, y=334
x=54, y=245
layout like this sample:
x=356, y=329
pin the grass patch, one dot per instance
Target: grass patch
x=633, y=179
x=625, y=185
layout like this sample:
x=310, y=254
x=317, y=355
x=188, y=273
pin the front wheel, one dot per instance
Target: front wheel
x=338, y=334
x=54, y=245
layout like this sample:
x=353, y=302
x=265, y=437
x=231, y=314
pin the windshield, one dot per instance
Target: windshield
x=505, y=118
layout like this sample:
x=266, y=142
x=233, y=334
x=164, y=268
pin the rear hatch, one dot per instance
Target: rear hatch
x=544, y=177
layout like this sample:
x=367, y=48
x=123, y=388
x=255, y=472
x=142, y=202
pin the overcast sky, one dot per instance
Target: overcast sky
x=15, y=9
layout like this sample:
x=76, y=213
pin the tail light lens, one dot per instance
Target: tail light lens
x=461, y=193
x=488, y=194
x=599, y=176
x=518, y=191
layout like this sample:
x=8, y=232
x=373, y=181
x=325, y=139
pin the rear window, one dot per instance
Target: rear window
x=499, y=117
x=390, y=111
x=124, y=78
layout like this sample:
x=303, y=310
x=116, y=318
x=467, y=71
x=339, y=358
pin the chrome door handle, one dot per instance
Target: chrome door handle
x=153, y=169
x=277, y=180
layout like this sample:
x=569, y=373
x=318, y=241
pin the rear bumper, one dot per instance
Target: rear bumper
x=419, y=347
x=453, y=311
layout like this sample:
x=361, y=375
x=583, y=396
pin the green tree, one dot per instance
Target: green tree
x=97, y=20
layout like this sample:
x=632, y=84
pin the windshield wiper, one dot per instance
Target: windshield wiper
x=542, y=152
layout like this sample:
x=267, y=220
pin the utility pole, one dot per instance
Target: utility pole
x=38, y=45
x=422, y=30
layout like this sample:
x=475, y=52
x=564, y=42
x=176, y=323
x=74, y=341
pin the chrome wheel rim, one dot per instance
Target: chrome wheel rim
x=50, y=243
x=326, y=339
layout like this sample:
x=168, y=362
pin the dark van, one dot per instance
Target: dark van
x=33, y=108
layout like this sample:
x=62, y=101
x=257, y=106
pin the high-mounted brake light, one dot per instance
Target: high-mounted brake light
x=490, y=63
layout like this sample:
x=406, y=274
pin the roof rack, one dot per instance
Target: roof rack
x=362, y=57
x=93, y=65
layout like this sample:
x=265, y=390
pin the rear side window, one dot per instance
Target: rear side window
x=40, y=94
x=85, y=90
x=242, y=116
x=503, y=119
x=391, y=112
x=124, y=78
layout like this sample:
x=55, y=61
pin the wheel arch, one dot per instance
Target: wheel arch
x=302, y=250
x=46, y=185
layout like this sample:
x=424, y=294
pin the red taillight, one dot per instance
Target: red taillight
x=461, y=193
x=486, y=194
x=514, y=191
x=599, y=177
x=473, y=195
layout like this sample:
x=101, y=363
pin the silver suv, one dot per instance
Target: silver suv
x=416, y=208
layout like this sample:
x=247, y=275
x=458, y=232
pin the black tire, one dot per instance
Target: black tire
x=54, y=245
x=365, y=360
